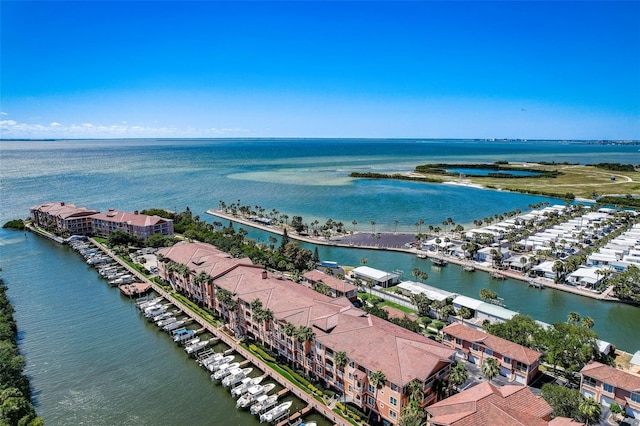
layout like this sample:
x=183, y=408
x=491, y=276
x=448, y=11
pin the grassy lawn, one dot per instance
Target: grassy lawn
x=399, y=307
x=582, y=181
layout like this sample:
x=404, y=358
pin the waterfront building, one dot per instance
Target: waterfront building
x=62, y=218
x=487, y=404
x=379, y=278
x=309, y=329
x=517, y=363
x=608, y=384
x=139, y=225
x=409, y=288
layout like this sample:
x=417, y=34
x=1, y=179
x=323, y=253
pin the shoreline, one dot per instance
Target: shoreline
x=604, y=296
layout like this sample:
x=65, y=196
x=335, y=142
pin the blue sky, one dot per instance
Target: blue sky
x=511, y=69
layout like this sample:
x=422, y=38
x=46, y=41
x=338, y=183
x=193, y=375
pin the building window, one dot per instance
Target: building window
x=392, y=414
x=607, y=388
x=458, y=341
x=635, y=397
x=318, y=345
x=475, y=347
x=393, y=387
x=507, y=359
x=371, y=388
x=319, y=370
x=393, y=401
x=372, y=402
x=350, y=376
x=589, y=381
x=350, y=388
x=521, y=366
x=352, y=364
x=488, y=351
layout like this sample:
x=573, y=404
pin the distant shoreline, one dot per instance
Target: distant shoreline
x=604, y=296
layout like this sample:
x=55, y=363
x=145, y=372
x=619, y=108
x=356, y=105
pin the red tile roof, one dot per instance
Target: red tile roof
x=612, y=376
x=370, y=341
x=496, y=344
x=133, y=219
x=332, y=282
x=63, y=210
x=486, y=404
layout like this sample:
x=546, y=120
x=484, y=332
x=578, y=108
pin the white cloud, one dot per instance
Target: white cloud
x=3, y=113
x=11, y=129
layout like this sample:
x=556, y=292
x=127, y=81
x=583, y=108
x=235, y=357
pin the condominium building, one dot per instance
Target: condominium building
x=310, y=330
x=608, y=384
x=63, y=218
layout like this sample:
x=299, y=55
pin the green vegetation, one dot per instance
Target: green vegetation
x=616, y=167
x=15, y=394
x=571, y=403
x=626, y=285
x=16, y=224
x=567, y=346
x=560, y=180
x=621, y=201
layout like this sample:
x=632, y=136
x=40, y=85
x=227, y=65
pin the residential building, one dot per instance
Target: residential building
x=378, y=277
x=140, y=225
x=517, y=363
x=608, y=384
x=486, y=404
x=333, y=325
x=62, y=218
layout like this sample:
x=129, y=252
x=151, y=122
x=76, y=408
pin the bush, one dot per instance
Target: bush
x=265, y=356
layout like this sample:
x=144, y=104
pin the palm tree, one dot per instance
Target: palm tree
x=490, y=368
x=573, y=318
x=589, y=411
x=458, y=375
x=464, y=313
x=341, y=360
x=290, y=331
x=305, y=335
x=377, y=380
x=370, y=284
x=587, y=322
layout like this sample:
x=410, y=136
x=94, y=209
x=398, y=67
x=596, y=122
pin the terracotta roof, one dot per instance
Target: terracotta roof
x=63, y=210
x=564, y=421
x=487, y=404
x=612, y=376
x=332, y=282
x=134, y=219
x=496, y=344
x=370, y=341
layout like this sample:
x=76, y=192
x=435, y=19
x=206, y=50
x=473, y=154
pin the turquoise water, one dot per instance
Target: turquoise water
x=93, y=360
x=485, y=172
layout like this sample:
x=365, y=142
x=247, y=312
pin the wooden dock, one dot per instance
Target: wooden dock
x=134, y=289
x=295, y=416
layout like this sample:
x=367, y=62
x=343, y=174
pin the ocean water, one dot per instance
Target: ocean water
x=93, y=360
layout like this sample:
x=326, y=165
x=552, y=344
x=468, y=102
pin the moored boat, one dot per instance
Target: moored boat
x=184, y=335
x=236, y=376
x=224, y=370
x=196, y=346
x=264, y=403
x=252, y=394
x=214, y=365
x=276, y=413
x=245, y=384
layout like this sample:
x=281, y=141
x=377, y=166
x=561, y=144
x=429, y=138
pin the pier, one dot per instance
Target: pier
x=289, y=387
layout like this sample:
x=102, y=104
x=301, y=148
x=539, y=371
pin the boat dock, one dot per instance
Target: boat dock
x=134, y=289
x=295, y=416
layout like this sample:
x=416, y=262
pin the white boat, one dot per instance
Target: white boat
x=252, y=394
x=190, y=342
x=173, y=326
x=215, y=357
x=184, y=335
x=196, y=346
x=264, y=403
x=162, y=317
x=276, y=412
x=245, y=384
x=154, y=311
x=224, y=370
x=236, y=376
x=213, y=366
x=147, y=303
